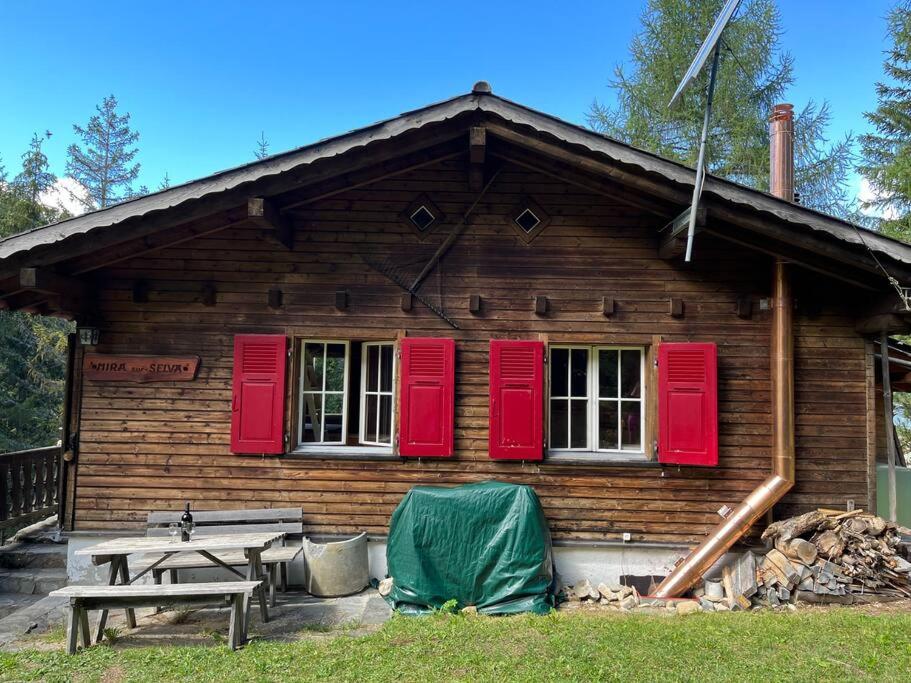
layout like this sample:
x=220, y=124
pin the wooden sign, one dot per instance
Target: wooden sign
x=103, y=367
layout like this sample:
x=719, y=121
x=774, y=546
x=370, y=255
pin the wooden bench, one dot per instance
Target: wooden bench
x=85, y=598
x=208, y=522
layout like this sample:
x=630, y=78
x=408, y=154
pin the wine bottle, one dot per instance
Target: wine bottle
x=186, y=523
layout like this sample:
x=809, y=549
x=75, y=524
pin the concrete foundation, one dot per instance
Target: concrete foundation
x=595, y=562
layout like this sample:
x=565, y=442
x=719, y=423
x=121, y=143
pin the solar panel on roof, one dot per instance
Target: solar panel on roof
x=706, y=48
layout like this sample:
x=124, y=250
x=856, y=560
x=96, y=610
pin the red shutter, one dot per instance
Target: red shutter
x=258, y=394
x=427, y=397
x=516, y=400
x=688, y=404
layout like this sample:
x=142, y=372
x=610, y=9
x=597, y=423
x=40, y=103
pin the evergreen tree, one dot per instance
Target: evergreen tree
x=36, y=176
x=754, y=74
x=262, y=146
x=165, y=182
x=104, y=166
x=32, y=348
x=20, y=208
x=886, y=153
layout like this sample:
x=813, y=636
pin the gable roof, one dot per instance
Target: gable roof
x=479, y=101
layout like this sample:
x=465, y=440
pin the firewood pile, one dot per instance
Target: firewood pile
x=829, y=556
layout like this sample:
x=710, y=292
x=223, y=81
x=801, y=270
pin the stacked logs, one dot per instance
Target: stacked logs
x=832, y=554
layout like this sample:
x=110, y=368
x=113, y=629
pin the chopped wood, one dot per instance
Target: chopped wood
x=828, y=556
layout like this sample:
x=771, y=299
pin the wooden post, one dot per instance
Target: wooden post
x=887, y=416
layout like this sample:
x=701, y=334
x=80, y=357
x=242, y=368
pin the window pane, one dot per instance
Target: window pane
x=370, y=418
x=386, y=352
x=607, y=374
x=579, y=425
x=335, y=367
x=334, y=403
x=630, y=382
x=313, y=367
x=559, y=369
x=385, y=434
x=579, y=375
x=373, y=366
x=558, y=424
x=607, y=425
x=312, y=417
x=333, y=433
x=630, y=425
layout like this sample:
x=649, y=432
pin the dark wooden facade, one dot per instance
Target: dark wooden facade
x=187, y=276
x=145, y=447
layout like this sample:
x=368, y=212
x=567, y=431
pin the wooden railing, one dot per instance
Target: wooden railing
x=28, y=487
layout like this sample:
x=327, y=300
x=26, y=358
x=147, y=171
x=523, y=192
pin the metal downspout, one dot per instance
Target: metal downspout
x=780, y=481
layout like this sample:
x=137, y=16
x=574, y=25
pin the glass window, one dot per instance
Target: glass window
x=347, y=393
x=378, y=367
x=324, y=376
x=596, y=399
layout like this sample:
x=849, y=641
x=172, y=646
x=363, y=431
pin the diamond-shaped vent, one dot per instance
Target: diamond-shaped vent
x=527, y=220
x=422, y=218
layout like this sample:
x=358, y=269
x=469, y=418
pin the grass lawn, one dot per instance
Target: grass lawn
x=806, y=646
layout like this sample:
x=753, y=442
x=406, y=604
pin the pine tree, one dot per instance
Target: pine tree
x=105, y=165
x=262, y=146
x=165, y=182
x=886, y=153
x=36, y=176
x=754, y=74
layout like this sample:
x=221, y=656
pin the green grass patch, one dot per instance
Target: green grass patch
x=802, y=646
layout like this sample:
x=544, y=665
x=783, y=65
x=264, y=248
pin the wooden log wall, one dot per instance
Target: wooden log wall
x=154, y=446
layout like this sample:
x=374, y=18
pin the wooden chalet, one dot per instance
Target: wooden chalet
x=472, y=290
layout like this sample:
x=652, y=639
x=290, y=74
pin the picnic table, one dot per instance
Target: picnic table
x=115, y=552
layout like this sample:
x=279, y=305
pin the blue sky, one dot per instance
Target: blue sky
x=202, y=79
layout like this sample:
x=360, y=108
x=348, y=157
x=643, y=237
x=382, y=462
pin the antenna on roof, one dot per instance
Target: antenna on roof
x=711, y=44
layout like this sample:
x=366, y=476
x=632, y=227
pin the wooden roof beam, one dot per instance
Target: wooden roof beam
x=672, y=244
x=477, y=152
x=263, y=213
x=46, y=281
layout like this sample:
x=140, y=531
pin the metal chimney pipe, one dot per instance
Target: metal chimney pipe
x=781, y=152
x=781, y=356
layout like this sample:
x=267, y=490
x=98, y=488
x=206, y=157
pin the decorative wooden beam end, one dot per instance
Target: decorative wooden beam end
x=541, y=305
x=608, y=306
x=47, y=281
x=341, y=299
x=744, y=308
x=140, y=292
x=407, y=301
x=209, y=295
x=672, y=237
x=676, y=308
x=474, y=304
x=263, y=213
x=275, y=299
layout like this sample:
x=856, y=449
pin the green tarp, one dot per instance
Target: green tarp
x=486, y=545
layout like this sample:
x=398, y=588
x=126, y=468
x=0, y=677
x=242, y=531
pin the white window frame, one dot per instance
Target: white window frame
x=379, y=393
x=593, y=399
x=345, y=391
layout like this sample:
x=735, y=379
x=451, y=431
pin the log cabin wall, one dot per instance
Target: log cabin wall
x=153, y=446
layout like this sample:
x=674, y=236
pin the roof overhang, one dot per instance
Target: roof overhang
x=734, y=212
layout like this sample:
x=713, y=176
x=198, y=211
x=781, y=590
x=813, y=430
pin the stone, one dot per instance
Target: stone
x=605, y=592
x=615, y=587
x=722, y=607
x=685, y=607
x=585, y=591
x=625, y=591
x=629, y=602
x=470, y=609
x=706, y=605
x=385, y=587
